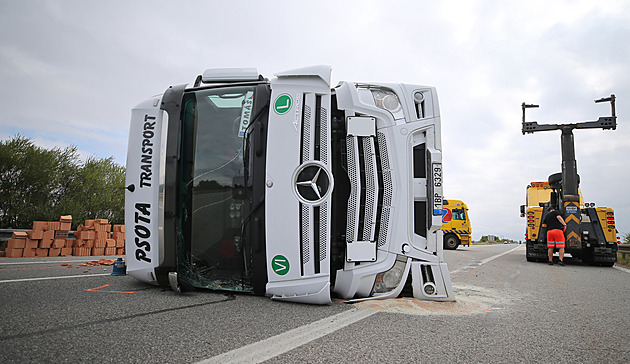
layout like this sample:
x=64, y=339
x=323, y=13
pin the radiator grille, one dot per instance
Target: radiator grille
x=369, y=203
x=371, y=189
x=315, y=144
x=323, y=135
x=387, y=190
x=306, y=217
x=354, y=193
x=306, y=134
x=323, y=229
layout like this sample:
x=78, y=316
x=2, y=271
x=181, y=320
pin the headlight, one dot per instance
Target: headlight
x=386, y=99
x=388, y=280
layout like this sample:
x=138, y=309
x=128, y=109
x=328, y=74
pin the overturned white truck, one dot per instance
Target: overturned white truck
x=288, y=188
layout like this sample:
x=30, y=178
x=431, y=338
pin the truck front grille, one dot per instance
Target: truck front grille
x=315, y=220
x=370, y=198
x=385, y=199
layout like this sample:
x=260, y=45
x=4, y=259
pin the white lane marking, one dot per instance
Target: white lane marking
x=621, y=269
x=47, y=278
x=499, y=255
x=271, y=347
x=487, y=260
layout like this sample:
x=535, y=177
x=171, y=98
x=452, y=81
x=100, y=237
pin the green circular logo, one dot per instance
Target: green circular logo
x=283, y=103
x=280, y=265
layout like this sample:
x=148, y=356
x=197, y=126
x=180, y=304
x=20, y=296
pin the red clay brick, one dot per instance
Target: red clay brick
x=31, y=244
x=45, y=243
x=30, y=252
x=13, y=252
x=35, y=234
x=41, y=252
x=102, y=227
x=16, y=243
x=59, y=243
x=61, y=234
x=54, y=252
x=82, y=252
x=119, y=236
x=49, y=234
x=19, y=235
x=40, y=225
x=70, y=243
x=98, y=251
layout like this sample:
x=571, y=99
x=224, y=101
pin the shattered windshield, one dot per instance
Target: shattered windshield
x=212, y=187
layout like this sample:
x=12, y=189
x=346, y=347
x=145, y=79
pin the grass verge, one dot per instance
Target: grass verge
x=623, y=261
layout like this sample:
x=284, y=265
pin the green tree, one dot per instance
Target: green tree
x=98, y=191
x=32, y=181
x=41, y=184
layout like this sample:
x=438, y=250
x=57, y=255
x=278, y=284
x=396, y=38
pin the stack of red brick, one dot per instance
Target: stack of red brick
x=96, y=238
x=50, y=239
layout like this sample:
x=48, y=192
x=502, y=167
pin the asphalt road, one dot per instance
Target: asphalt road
x=507, y=311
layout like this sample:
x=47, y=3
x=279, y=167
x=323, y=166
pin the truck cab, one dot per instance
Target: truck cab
x=598, y=234
x=455, y=224
x=288, y=188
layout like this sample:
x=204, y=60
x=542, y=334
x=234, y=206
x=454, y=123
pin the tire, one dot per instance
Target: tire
x=557, y=177
x=451, y=242
x=527, y=255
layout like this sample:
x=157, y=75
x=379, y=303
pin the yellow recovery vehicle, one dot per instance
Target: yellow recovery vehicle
x=591, y=233
x=455, y=224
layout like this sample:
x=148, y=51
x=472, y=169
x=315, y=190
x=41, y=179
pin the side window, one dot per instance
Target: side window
x=459, y=214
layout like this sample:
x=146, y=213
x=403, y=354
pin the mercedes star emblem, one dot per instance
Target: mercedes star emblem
x=311, y=184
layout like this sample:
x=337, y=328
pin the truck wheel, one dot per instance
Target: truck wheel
x=451, y=242
x=528, y=255
x=557, y=177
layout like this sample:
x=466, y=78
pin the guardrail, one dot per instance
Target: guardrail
x=624, y=249
x=5, y=234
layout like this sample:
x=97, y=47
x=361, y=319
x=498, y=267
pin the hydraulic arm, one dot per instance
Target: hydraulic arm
x=567, y=197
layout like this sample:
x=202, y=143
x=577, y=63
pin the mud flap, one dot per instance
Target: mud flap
x=431, y=281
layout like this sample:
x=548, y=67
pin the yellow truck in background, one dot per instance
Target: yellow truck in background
x=590, y=231
x=599, y=233
x=455, y=224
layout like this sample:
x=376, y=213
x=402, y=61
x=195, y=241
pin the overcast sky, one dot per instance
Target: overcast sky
x=70, y=72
